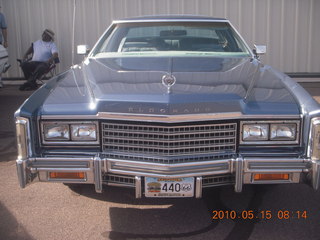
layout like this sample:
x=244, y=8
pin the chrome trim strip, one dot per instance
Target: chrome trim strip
x=198, y=190
x=97, y=174
x=119, y=185
x=21, y=171
x=24, y=148
x=62, y=169
x=53, y=148
x=49, y=153
x=169, y=20
x=239, y=166
x=166, y=118
x=138, y=187
x=61, y=159
x=242, y=39
x=55, y=164
x=293, y=165
x=267, y=166
x=168, y=170
x=187, y=117
x=315, y=174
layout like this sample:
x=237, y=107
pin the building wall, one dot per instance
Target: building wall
x=289, y=28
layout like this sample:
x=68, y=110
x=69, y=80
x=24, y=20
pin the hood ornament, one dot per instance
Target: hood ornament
x=168, y=81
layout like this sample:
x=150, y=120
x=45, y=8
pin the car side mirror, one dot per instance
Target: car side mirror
x=83, y=49
x=259, y=50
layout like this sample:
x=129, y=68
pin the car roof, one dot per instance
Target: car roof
x=173, y=18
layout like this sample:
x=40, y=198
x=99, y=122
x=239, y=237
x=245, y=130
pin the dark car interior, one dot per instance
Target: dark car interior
x=179, y=43
x=173, y=44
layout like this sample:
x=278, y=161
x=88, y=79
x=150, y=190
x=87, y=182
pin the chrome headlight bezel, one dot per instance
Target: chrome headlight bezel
x=286, y=127
x=70, y=138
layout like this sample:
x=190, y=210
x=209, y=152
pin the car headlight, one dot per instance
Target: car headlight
x=283, y=132
x=70, y=132
x=56, y=132
x=270, y=132
x=255, y=132
x=84, y=132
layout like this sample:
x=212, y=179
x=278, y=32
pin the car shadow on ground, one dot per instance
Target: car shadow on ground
x=191, y=218
x=176, y=218
x=10, y=228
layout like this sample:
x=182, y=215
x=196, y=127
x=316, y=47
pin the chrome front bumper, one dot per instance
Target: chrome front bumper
x=100, y=170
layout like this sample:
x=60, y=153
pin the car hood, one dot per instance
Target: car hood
x=133, y=85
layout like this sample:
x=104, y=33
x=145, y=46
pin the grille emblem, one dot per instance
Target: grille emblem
x=168, y=81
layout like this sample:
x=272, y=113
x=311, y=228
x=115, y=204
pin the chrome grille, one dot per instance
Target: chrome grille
x=213, y=181
x=118, y=180
x=168, y=140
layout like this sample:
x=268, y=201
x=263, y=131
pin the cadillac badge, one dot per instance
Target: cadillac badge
x=168, y=81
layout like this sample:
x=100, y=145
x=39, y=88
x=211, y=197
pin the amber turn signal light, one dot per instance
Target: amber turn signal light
x=67, y=175
x=271, y=176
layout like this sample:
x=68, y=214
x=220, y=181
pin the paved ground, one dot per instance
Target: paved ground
x=55, y=211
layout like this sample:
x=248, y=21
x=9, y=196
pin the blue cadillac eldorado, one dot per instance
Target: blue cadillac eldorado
x=169, y=105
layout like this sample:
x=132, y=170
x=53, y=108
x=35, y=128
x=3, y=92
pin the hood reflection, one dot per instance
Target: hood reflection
x=217, y=84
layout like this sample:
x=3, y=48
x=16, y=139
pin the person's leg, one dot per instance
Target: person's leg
x=41, y=69
x=28, y=69
x=33, y=70
x=5, y=68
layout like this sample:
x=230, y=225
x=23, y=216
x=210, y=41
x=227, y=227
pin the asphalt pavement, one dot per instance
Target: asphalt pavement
x=56, y=211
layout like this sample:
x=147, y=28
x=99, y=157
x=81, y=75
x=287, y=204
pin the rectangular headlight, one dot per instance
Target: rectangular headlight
x=270, y=132
x=70, y=133
x=83, y=132
x=286, y=132
x=56, y=132
x=255, y=132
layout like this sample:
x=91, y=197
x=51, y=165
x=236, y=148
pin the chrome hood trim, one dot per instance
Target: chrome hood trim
x=169, y=118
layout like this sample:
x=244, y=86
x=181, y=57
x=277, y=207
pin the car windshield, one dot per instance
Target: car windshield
x=171, y=39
